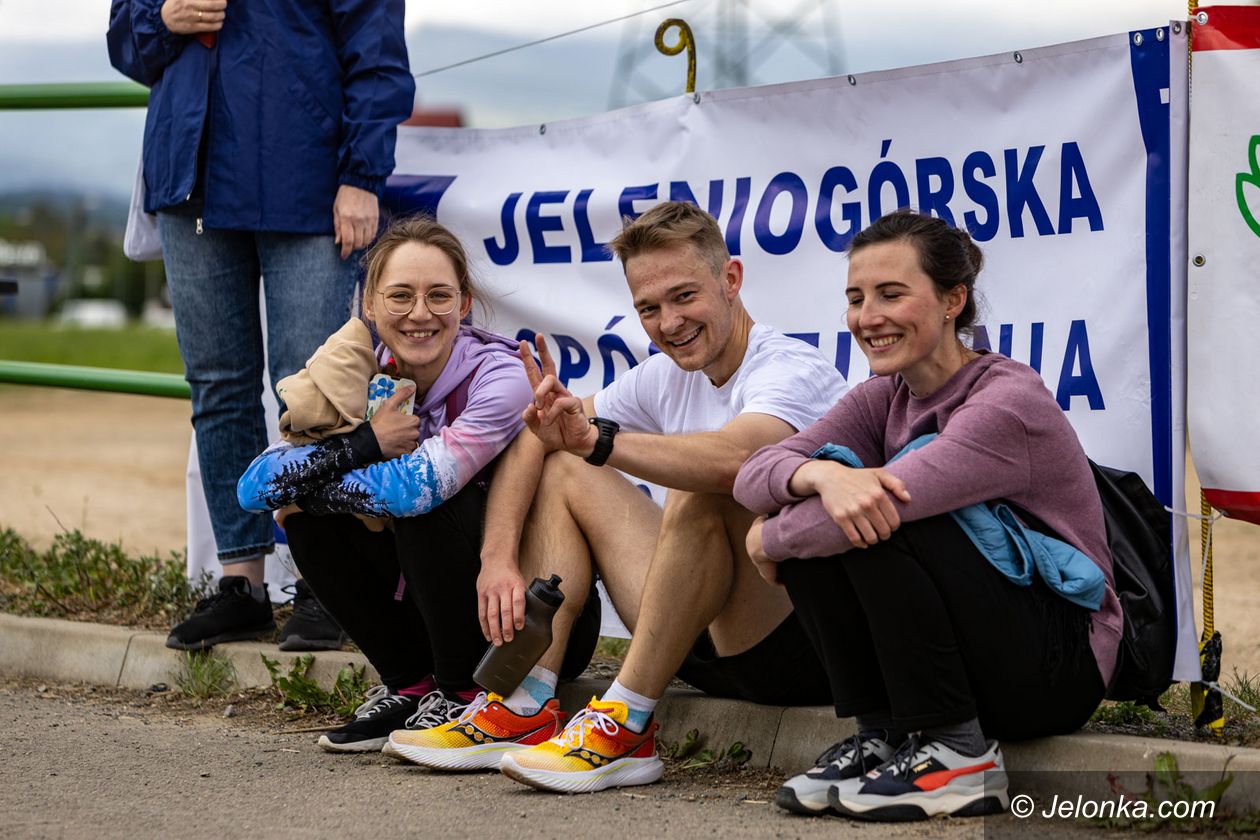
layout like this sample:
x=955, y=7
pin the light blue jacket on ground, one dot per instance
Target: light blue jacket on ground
x=1013, y=549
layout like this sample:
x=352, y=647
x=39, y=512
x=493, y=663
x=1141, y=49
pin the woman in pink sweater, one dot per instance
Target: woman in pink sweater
x=926, y=642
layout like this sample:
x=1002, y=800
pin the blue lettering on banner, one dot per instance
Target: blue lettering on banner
x=1012, y=190
x=1021, y=192
x=625, y=204
x=1085, y=383
x=850, y=211
x=681, y=191
x=592, y=251
x=789, y=184
x=743, y=188
x=574, y=360
x=810, y=338
x=982, y=194
x=538, y=225
x=935, y=201
x=1077, y=377
x=1073, y=179
x=506, y=253
x=887, y=173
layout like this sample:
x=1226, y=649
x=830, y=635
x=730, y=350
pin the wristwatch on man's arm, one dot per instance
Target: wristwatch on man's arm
x=604, y=445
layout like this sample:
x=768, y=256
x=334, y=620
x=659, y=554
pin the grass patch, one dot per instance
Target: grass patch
x=298, y=691
x=205, y=674
x=1123, y=713
x=612, y=648
x=88, y=580
x=1247, y=689
x=134, y=347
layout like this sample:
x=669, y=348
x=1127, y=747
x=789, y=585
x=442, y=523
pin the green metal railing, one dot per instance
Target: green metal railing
x=84, y=95
x=78, y=95
x=95, y=379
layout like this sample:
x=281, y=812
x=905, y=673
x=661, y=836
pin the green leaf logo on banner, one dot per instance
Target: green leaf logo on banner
x=1253, y=179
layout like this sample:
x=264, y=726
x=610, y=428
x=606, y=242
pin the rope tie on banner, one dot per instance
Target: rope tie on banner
x=686, y=41
x=1205, y=695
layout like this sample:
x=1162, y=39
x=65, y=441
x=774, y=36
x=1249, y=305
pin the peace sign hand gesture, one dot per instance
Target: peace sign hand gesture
x=556, y=416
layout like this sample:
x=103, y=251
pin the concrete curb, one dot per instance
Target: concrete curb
x=787, y=738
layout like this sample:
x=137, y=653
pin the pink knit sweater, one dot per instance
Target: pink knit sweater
x=1001, y=436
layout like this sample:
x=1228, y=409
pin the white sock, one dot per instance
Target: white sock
x=535, y=690
x=640, y=707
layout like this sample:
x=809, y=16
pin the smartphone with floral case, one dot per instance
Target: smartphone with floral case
x=382, y=387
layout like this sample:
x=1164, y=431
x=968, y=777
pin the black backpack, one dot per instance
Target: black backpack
x=1139, y=534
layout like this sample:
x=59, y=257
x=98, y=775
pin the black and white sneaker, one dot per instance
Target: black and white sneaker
x=229, y=615
x=310, y=627
x=434, y=709
x=380, y=714
x=927, y=779
x=847, y=760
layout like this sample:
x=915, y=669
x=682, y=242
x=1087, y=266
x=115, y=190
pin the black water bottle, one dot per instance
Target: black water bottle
x=503, y=668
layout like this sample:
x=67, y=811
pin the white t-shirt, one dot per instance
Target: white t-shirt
x=780, y=376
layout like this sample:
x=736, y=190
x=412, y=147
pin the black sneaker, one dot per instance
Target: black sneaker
x=380, y=714
x=229, y=615
x=310, y=627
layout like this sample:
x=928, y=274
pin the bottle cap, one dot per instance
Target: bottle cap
x=547, y=591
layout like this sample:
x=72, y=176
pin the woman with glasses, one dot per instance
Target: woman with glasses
x=409, y=594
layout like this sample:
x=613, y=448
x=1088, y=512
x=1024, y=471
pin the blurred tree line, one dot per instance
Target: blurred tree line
x=82, y=237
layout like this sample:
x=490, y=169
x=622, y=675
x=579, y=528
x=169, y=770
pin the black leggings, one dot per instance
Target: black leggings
x=923, y=625
x=432, y=628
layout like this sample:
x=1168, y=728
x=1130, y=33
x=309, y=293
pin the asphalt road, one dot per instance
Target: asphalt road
x=78, y=769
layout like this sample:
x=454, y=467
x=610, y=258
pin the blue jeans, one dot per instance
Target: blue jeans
x=213, y=278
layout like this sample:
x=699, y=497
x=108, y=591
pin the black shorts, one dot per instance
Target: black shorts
x=781, y=670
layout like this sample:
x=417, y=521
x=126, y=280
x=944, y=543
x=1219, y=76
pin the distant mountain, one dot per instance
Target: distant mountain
x=98, y=151
x=100, y=211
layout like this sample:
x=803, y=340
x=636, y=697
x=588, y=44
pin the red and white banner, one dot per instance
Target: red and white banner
x=1223, y=310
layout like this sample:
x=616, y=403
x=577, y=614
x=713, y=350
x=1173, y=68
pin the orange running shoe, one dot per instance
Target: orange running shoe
x=478, y=738
x=595, y=751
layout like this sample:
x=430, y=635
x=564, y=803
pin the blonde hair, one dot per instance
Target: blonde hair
x=669, y=225
x=425, y=230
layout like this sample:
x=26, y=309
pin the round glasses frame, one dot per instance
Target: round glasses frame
x=402, y=302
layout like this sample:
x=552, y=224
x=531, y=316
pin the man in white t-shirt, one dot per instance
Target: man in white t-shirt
x=680, y=577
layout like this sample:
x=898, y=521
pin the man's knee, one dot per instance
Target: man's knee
x=561, y=473
x=702, y=514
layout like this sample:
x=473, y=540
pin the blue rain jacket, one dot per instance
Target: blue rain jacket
x=1013, y=549
x=296, y=98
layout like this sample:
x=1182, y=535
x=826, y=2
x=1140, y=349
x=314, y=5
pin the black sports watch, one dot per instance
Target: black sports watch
x=603, y=447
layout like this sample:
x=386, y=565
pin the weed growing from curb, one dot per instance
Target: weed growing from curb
x=1168, y=784
x=690, y=756
x=204, y=674
x=89, y=580
x=298, y=691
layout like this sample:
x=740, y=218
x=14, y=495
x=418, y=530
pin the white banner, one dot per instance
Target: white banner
x=1064, y=162
x=1224, y=225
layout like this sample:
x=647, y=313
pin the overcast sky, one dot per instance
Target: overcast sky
x=29, y=20
x=63, y=41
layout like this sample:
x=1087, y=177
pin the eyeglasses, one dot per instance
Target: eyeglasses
x=440, y=300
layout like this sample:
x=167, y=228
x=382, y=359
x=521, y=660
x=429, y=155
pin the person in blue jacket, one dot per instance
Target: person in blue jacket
x=270, y=132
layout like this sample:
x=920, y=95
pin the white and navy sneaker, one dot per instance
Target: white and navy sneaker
x=927, y=779
x=846, y=761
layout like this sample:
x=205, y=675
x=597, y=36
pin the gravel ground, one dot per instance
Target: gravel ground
x=105, y=763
